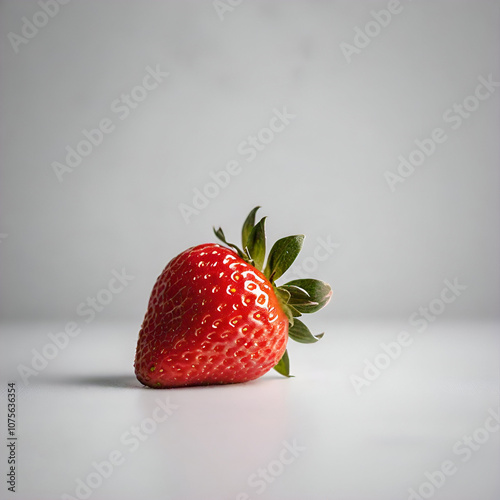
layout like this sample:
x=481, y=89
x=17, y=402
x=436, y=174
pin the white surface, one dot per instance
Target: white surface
x=370, y=446
x=120, y=206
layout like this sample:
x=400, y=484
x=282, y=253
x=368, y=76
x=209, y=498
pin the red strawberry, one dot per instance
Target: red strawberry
x=215, y=318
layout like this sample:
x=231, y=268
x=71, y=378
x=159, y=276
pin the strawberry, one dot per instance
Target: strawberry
x=216, y=315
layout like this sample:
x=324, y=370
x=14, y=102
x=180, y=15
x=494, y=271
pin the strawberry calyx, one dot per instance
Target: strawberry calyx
x=297, y=297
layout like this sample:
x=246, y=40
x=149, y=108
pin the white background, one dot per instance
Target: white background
x=323, y=175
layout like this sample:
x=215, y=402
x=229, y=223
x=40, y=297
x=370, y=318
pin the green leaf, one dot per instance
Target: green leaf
x=283, y=298
x=300, y=333
x=295, y=312
x=256, y=244
x=283, y=366
x=297, y=297
x=319, y=293
x=289, y=314
x=295, y=292
x=282, y=294
x=248, y=226
x=221, y=236
x=282, y=255
x=302, y=304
